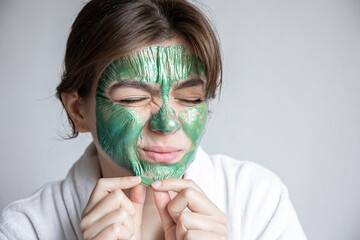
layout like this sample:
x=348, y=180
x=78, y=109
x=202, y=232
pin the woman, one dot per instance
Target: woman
x=138, y=76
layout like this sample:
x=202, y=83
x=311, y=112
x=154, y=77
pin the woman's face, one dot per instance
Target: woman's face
x=151, y=111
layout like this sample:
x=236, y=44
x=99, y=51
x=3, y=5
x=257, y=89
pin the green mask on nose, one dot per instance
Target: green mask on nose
x=119, y=127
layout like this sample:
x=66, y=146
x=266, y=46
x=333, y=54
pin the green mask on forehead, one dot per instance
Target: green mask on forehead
x=119, y=127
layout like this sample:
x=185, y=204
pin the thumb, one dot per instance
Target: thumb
x=137, y=197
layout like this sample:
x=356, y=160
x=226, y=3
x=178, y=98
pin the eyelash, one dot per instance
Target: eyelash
x=195, y=101
x=129, y=101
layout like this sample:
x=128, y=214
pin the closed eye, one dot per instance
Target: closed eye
x=131, y=100
x=191, y=101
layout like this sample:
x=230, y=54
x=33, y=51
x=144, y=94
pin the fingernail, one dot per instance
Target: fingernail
x=135, y=178
x=156, y=184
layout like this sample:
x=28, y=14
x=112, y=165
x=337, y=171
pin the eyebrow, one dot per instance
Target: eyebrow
x=132, y=84
x=192, y=82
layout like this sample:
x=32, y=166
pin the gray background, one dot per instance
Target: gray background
x=290, y=100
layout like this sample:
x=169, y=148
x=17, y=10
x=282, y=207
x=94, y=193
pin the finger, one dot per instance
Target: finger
x=193, y=200
x=137, y=197
x=116, y=199
x=104, y=186
x=200, y=234
x=195, y=221
x=161, y=201
x=119, y=216
x=176, y=185
x=114, y=231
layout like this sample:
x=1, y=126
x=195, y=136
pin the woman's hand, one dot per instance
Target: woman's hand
x=110, y=214
x=203, y=221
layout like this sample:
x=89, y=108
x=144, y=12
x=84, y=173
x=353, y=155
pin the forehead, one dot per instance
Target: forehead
x=155, y=64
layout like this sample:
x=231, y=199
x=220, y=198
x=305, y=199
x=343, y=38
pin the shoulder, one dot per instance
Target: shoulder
x=244, y=175
x=227, y=163
x=247, y=184
x=230, y=181
x=255, y=200
x=54, y=210
x=23, y=218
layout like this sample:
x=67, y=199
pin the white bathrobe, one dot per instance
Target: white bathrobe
x=254, y=199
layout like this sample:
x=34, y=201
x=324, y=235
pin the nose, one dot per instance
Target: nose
x=165, y=120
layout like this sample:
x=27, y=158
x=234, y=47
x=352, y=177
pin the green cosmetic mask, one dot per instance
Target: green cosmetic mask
x=119, y=127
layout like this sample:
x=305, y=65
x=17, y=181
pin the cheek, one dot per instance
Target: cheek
x=193, y=120
x=118, y=125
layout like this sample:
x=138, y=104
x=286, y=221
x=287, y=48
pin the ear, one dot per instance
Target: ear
x=75, y=108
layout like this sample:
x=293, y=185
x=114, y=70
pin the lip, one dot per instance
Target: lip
x=161, y=154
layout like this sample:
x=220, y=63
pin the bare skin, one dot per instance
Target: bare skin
x=120, y=208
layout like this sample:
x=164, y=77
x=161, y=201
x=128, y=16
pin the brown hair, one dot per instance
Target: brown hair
x=106, y=30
